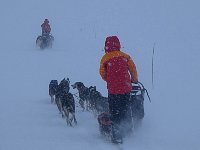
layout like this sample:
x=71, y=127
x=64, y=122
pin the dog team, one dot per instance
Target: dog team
x=119, y=72
x=89, y=99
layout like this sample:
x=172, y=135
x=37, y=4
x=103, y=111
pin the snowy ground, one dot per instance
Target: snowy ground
x=29, y=121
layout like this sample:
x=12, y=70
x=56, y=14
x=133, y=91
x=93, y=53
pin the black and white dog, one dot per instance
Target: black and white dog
x=62, y=88
x=98, y=102
x=65, y=102
x=84, y=95
x=53, y=85
x=68, y=107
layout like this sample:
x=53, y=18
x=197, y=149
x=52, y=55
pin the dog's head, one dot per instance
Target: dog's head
x=78, y=85
x=53, y=82
x=64, y=85
x=93, y=92
x=92, y=88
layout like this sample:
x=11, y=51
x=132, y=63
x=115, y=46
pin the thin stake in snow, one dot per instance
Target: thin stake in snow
x=153, y=66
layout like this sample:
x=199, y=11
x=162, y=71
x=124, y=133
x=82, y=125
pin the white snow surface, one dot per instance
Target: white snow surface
x=28, y=121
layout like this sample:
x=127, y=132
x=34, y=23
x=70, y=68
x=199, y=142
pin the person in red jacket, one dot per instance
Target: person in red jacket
x=119, y=71
x=46, y=29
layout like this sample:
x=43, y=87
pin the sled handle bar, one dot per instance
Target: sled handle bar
x=144, y=89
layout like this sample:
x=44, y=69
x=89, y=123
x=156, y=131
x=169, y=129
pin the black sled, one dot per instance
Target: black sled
x=137, y=103
x=44, y=41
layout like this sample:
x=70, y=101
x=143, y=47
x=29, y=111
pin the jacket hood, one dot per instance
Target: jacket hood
x=112, y=43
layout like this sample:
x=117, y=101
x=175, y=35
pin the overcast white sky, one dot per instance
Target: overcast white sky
x=29, y=121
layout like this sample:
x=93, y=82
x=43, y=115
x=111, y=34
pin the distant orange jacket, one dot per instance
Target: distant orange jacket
x=118, y=70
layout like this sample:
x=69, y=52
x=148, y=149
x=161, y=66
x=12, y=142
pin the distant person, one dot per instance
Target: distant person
x=46, y=29
x=119, y=71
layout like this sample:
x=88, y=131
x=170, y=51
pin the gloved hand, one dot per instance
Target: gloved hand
x=134, y=81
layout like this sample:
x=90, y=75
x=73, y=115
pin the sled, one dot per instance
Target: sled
x=44, y=41
x=137, y=96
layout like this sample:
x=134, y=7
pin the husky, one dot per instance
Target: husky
x=83, y=94
x=53, y=85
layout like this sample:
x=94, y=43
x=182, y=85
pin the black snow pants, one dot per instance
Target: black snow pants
x=119, y=107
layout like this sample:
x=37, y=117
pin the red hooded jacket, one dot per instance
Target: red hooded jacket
x=46, y=27
x=117, y=68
